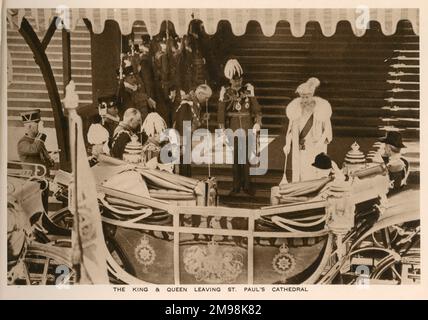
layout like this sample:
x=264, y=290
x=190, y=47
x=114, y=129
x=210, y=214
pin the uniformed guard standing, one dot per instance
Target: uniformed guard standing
x=238, y=108
x=133, y=94
x=190, y=110
x=146, y=71
x=31, y=147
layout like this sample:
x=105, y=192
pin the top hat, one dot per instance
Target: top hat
x=31, y=116
x=394, y=139
x=107, y=101
x=322, y=161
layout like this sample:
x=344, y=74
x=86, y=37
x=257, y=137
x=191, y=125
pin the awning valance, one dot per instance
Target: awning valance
x=238, y=18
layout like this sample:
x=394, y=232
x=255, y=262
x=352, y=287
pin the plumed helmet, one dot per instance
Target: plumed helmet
x=153, y=124
x=97, y=134
x=308, y=87
x=232, y=69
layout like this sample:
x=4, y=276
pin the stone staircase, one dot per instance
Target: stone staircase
x=372, y=83
x=28, y=89
x=359, y=76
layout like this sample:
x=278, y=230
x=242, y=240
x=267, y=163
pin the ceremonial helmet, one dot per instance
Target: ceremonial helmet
x=233, y=70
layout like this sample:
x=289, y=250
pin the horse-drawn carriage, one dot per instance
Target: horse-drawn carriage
x=162, y=228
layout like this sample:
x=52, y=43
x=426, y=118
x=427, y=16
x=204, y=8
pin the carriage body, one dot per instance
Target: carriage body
x=184, y=237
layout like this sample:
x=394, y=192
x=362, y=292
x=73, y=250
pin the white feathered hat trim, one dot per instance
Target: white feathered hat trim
x=153, y=124
x=308, y=87
x=97, y=134
x=232, y=66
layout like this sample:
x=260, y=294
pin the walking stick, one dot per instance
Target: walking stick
x=284, y=177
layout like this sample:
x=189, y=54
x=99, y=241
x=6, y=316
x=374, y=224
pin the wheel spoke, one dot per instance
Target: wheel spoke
x=387, y=238
x=45, y=271
x=27, y=274
x=396, y=272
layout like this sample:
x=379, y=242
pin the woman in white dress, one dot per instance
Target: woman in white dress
x=309, y=130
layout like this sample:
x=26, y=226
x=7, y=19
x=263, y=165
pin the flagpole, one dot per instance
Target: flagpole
x=88, y=254
x=79, y=258
x=77, y=253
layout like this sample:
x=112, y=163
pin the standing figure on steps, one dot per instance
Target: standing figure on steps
x=133, y=93
x=238, y=108
x=309, y=130
x=190, y=110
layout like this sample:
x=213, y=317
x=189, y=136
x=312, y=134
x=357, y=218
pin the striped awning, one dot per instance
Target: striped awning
x=238, y=18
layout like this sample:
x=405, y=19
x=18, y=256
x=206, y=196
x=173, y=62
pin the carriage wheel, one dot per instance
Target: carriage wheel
x=396, y=256
x=63, y=218
x=45, y=264
x=403, y=270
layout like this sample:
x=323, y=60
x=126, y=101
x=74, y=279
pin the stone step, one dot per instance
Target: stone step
x=340, y=62
x=328, y=90
x=345, y=111
x=323, y=75
x=352, y=101
x=332, y=51
x=358, y=121
x=79, y=78
x=328, y=46
x=40, y=94
x=52, y=55
x=36, y=85
x=55, y=41
x=51, y=48
x=42, y=102
x=77, y=33
x=57, y=70
x=376, y=84
x=23, y=62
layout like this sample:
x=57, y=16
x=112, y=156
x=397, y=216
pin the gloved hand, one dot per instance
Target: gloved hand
x=286, y=148
x=152, y=103
x=256, y=127
x=41, y=136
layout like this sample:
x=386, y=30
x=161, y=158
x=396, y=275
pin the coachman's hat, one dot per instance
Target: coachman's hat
x=31, y=116
x=322, y=161
x=394, y=139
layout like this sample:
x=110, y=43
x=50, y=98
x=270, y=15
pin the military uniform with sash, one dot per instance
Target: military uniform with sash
x=239, y=109
x=135, y=95
x=121, y=137
x=188, y=110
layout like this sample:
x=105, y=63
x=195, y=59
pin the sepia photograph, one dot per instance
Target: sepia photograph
x=211, y=146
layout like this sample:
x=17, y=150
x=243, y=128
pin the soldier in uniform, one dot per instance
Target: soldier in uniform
x=109, y=112
x=398, y=167
x=101, y=130
x=31, y=147
x=190, y=110
x=238, y=108
x=133, y=93
x=146, y=71
x=127, y=128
